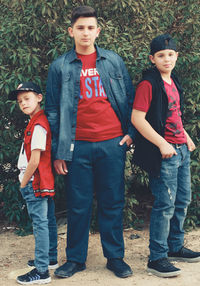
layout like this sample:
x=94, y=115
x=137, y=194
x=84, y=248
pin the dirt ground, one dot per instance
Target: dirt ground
x=16, y=250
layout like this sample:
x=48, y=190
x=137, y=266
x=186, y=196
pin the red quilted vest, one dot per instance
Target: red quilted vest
x=43, y=183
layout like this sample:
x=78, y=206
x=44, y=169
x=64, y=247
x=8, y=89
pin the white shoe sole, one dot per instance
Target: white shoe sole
x=50, y=267
x=163, y=274
x=55, y=266
x=189, y=260
x=42, y=281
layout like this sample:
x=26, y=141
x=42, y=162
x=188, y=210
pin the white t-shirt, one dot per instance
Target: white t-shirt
x=38, y=141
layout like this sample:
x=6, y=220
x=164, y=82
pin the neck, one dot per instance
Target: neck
x=36, y=111
x=166, y=77
x=85, y=50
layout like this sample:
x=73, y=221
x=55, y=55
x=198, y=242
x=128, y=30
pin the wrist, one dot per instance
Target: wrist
x=22, y=186
x=162, y=143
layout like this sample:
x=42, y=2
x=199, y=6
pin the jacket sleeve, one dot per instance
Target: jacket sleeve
x=52, y=105
x=130, y=92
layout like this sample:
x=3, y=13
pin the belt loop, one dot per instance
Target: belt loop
x=176, y=145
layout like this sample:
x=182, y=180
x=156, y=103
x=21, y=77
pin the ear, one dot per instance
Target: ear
x=70, y=31
x=152, y=59
x=98, y=31
x=39, y=97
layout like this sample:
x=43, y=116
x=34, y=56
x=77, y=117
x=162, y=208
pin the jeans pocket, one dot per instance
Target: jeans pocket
x=24, y=192
x=21, y=189
x=27, y=192
x=125, y=146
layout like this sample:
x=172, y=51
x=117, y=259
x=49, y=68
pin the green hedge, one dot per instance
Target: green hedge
x=33, y=33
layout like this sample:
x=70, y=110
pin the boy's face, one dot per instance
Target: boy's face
x=84, y=32
x=165, y=60
x=29, y=102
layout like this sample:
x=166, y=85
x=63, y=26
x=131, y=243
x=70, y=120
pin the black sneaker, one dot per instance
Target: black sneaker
x=184, y=254
x=69, y=268
x=119, y=267
x=34, y=277
x=52, y=264
x=162, y=268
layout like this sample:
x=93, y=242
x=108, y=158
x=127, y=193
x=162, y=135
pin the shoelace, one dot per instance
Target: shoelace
x=33, y=275
x=165, y=263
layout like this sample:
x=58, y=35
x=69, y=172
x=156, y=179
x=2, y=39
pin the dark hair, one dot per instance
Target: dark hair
x=82, y=11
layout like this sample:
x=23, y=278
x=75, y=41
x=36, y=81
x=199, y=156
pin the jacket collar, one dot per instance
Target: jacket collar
x=73, y=57
x=34, y=118
x=153, y=72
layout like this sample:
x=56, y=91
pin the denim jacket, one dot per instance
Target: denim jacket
x=63, y=90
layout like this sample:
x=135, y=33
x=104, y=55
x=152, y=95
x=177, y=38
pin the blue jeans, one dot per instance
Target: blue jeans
x=41, y=211
x=96, y=166
x=172, y=192
x=52, y=225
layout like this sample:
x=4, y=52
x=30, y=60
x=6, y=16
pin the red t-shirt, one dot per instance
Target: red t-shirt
x=96, y=119
x=174, y=132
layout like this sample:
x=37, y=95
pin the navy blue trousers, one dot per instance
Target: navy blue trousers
x=99, y=167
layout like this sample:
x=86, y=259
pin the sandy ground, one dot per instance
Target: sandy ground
x=15, y=251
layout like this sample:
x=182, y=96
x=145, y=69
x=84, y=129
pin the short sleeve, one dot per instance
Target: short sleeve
x=39, y=138
x=143, y=96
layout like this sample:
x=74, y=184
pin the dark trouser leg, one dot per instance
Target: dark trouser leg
x=52, y=230
x=109, y=185
x=79, y=190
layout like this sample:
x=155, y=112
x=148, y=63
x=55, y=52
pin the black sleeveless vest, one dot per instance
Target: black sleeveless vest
x=146, y=155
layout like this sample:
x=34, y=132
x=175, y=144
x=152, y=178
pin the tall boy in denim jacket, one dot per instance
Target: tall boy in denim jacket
x=88, y=104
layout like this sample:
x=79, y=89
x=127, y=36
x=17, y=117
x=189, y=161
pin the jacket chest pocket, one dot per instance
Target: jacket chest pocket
x=117, y=83
x=28, y=136
x=66, y=77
